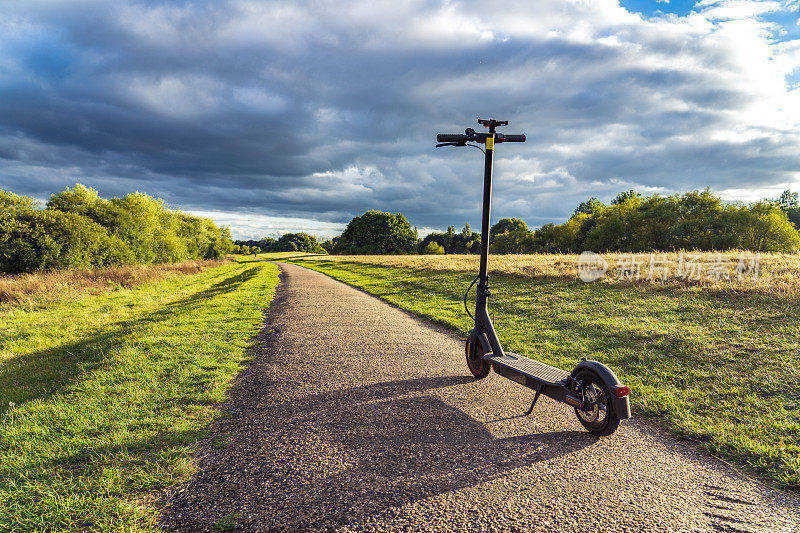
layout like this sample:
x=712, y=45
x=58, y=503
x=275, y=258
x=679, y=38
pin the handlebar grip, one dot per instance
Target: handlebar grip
x=451, y=138
x=513, y=138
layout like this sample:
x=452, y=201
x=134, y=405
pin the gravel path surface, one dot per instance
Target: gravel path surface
x=356, y=416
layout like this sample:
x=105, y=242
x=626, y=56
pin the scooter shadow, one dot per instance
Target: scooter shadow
x=364, y=451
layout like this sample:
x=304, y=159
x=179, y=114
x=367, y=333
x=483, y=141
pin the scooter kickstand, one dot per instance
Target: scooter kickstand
x=533, y=403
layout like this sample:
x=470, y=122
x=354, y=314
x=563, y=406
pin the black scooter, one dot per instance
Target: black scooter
x=599, y=399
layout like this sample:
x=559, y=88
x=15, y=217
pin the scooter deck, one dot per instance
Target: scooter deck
x=528, y=368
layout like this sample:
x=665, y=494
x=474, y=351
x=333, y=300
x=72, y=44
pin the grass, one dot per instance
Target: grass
x=222, y=441
x=765, y=273
x=228, y=522
x=44, y=287
x=103, y=397
x=722, y=368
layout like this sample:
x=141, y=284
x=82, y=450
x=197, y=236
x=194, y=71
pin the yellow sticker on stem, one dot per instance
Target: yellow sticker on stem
x=490, y=143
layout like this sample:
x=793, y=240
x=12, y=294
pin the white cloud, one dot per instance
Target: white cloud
x=254, y=226
x=736, y=9
x=756, y=194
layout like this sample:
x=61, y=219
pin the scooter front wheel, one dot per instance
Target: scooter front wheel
x=475, y=362
x=600, y=419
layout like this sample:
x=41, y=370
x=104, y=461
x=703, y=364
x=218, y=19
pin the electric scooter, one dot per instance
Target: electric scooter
x=592, y=389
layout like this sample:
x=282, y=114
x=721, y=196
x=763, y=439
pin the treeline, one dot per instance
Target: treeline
x=289, y=242
x=630, y=223
x=380, y=233
x=78, y=229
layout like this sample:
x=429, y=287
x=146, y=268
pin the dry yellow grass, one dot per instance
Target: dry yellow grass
x=27, y=289
x=727, y=271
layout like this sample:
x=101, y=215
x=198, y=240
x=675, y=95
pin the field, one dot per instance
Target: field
x=103, y=393
x=714, y=360
x=777, y=274
x=109, y=378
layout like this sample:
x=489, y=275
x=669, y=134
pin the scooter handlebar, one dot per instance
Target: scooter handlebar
x=452, y=138
x=461, y=138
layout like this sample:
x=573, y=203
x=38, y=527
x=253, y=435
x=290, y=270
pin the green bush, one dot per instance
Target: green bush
x=78, y=229
x=433, y=249
x=53, y=240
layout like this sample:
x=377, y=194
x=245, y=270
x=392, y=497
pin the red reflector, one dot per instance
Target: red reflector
x=622, y=391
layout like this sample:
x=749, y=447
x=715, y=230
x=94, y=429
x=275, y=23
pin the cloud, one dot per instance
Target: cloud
x=251, y=225
x=737, y=9
x=315, y=112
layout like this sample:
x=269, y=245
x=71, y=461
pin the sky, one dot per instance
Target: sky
x=280, y=116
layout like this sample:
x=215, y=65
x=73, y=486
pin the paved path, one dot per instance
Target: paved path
x=357, y=416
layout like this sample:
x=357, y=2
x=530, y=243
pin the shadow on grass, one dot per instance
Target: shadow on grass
x=41, y=374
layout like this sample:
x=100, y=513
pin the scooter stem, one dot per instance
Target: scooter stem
x=482, y=318
x=487, y=209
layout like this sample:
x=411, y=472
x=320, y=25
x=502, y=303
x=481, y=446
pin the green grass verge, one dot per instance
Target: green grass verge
x=720, y=369
x=102, y=398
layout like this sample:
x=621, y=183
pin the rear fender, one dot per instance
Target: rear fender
x=622, y=406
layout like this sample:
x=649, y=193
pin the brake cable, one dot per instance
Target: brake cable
x=466, y=308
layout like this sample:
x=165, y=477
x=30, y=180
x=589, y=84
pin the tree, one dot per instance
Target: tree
x=331, y=245
x=80, y=200
x=12, y=228
x=590, y=206
x=513, y=242
x=11, y=203
x=80, y=229
x=788, y=202
x=54, y=240
x=266, y=243
x=298, y=242
x=558, y=239
x=220, y=244
x=470, y=241
x=376, y=232
x=766, y=228
x=464, y=242
x=507, y=224
x=696, y=220
x=625, y=196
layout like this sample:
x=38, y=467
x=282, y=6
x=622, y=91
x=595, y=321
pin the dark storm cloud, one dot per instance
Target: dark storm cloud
x=322, y=110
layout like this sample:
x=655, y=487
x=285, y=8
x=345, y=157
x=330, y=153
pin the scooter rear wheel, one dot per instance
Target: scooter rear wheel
x=475, y=362
x=601, y=419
